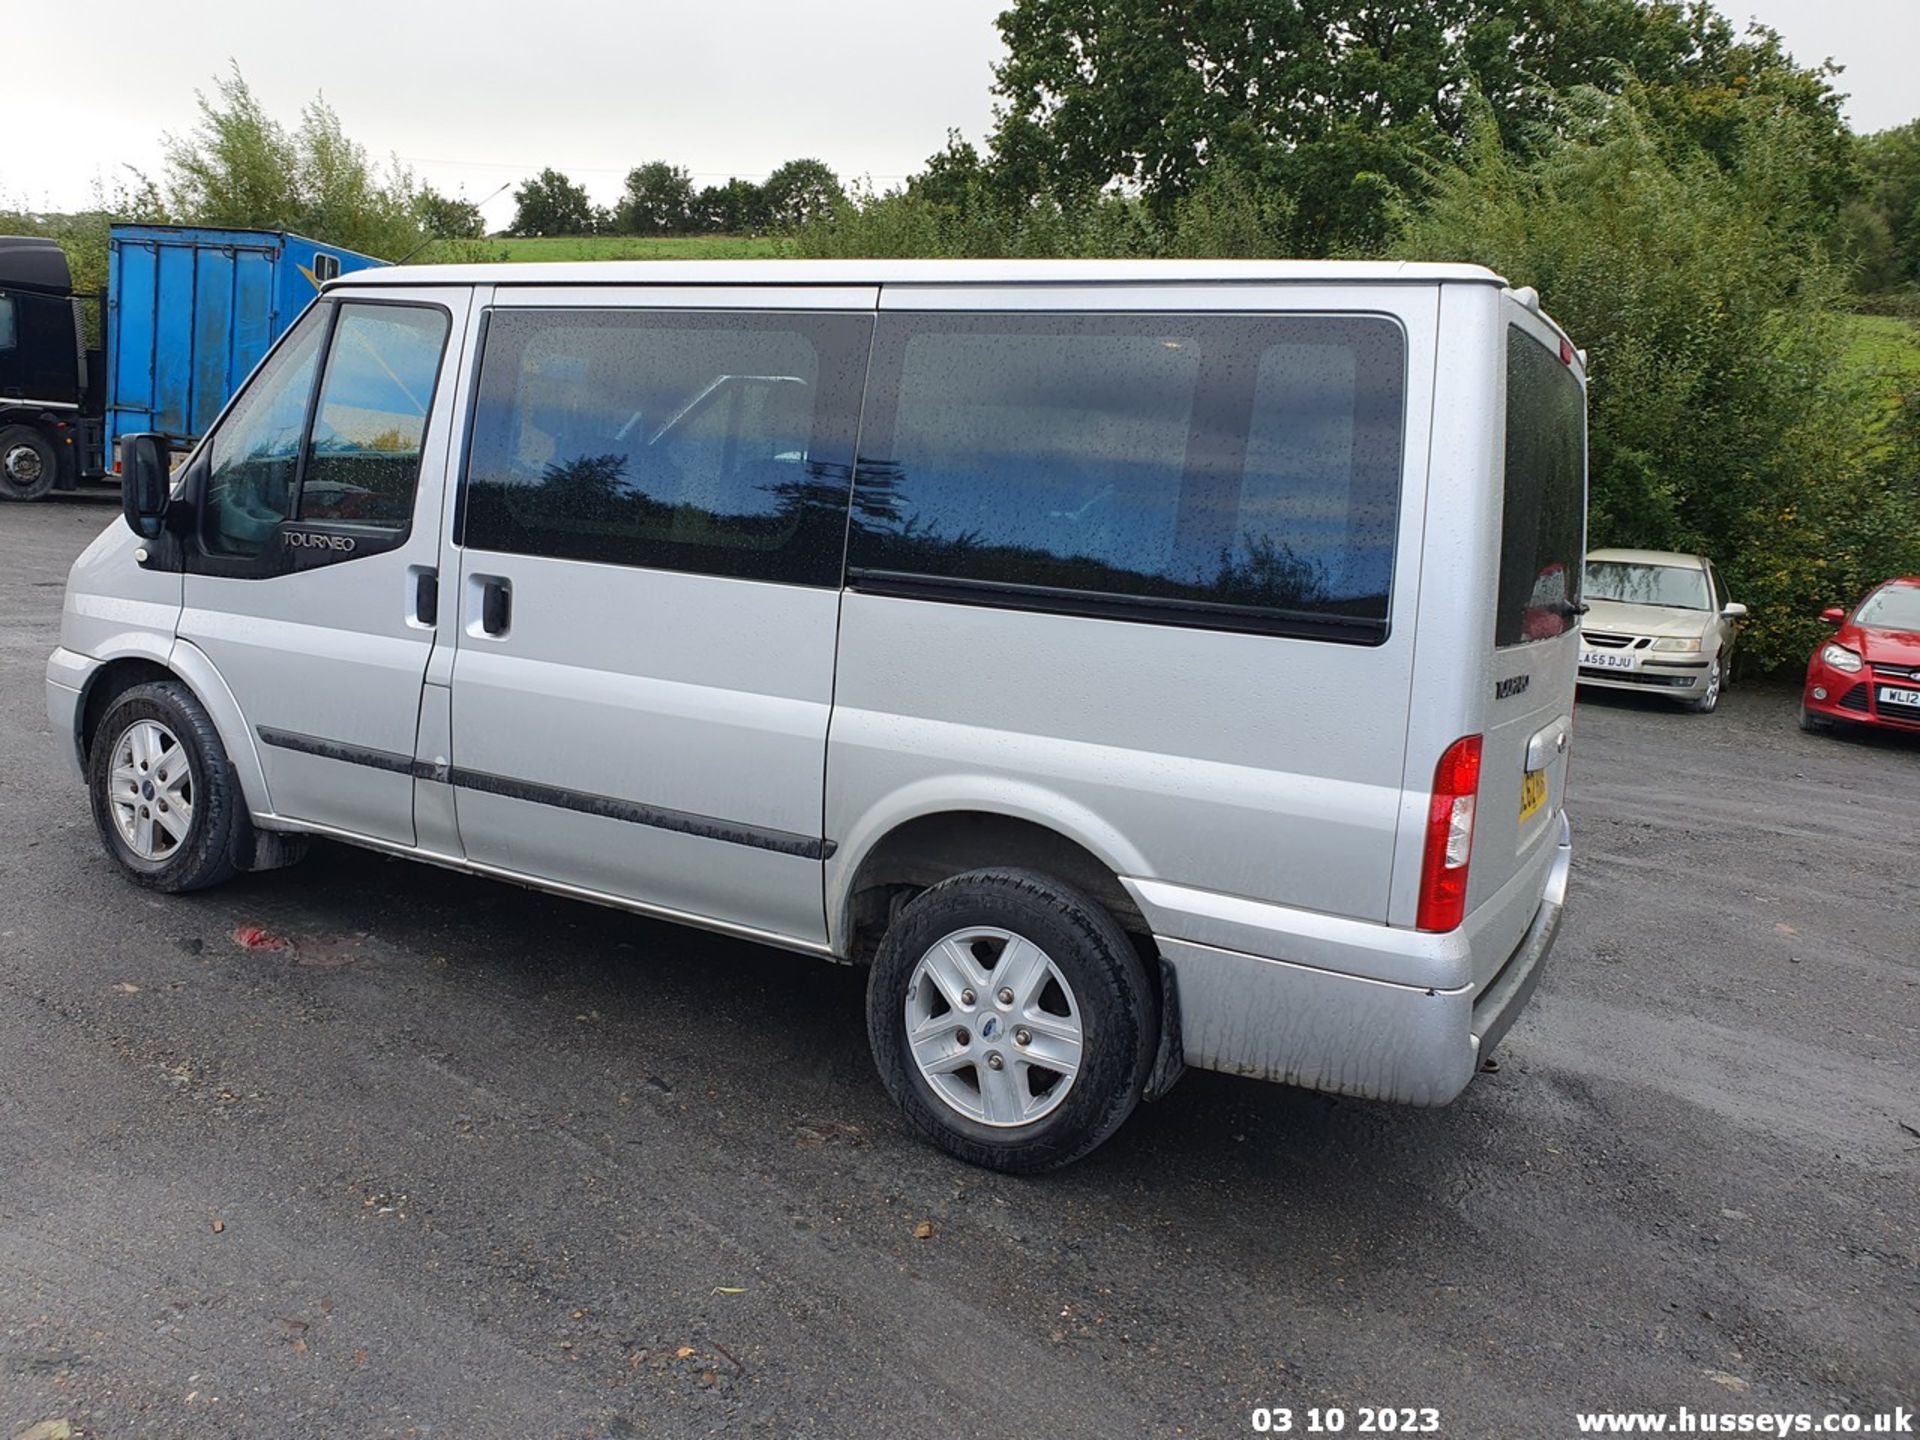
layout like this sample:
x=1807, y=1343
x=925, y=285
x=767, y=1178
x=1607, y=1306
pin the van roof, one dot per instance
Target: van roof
x=927, y=272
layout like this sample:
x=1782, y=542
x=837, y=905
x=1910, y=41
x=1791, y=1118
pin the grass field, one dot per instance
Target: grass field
x=1885, y=345
x=607, y=247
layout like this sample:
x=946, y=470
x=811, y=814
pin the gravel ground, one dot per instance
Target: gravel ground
x=471, y=1161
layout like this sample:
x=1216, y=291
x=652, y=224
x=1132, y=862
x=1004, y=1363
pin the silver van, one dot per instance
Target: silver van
x=1135, y=665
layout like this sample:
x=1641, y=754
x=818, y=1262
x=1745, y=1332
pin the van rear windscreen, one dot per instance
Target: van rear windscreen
x=1543, y=516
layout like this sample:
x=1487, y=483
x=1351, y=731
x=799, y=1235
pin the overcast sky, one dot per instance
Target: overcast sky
x=480, y=95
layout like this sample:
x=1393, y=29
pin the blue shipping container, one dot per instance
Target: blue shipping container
x=190, y=311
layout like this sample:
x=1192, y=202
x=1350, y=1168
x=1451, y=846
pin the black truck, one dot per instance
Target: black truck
x=52, y=384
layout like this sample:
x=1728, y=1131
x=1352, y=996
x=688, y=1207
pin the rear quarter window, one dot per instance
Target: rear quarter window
x=1239, y=472
x=1543, y=511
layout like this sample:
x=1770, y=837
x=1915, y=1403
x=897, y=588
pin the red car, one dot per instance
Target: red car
x=1869, y=673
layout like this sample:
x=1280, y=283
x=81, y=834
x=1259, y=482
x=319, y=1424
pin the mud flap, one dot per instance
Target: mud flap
x=1169, y=1061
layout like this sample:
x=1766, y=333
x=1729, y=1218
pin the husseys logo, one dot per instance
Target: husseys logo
x=1511, y=686
x=314, y=540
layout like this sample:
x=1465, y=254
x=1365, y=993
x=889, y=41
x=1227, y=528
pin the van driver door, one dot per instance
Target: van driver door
x=312, y=573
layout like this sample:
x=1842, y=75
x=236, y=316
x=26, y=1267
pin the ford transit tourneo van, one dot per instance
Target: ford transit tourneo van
x=1135, y=665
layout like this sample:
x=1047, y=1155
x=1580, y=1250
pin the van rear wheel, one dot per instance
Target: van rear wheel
x=1011, y=1020
x=164, y=797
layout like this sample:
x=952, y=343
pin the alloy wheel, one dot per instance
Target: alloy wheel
x=151, y=791
x=993, y=1026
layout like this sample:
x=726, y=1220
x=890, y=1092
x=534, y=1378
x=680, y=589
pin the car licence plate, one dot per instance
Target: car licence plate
x=1607, y=659
x=1894, y=695
x=1533, y=793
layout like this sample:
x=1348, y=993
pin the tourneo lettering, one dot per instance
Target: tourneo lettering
x=314, y=540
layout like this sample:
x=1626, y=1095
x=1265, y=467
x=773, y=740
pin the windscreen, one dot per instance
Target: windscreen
x=1893, y=607
x=1678, y=587
x=1543, y=517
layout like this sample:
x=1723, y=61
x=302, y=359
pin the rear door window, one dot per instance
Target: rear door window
x=1239, y=472
x=1543, y=513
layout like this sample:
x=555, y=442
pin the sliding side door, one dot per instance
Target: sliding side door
x=652, y=533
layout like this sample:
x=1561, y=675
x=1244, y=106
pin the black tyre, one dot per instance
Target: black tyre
x=28, y=463
x=164, y=796
x=1814, y=724
x=1011, y=1020
x=1716, y=682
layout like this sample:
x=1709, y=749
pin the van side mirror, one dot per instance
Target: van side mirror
x=1734, y=610
x=1833, y=615
x=144, y=483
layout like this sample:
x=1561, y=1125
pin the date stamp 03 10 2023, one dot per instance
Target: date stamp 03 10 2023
x=1337, y=1420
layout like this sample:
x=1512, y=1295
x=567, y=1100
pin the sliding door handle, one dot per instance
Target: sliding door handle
x=496, y=604
x=426, y=596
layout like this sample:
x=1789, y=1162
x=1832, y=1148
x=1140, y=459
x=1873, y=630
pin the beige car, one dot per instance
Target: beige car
x=1657, y=622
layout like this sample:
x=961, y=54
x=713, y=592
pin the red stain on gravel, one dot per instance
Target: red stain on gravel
x=253, y=937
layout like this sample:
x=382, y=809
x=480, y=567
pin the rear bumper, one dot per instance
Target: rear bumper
x=1331, y=1029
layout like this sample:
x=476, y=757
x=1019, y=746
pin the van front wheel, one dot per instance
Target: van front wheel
x=1011, y=1020
x=164, y=797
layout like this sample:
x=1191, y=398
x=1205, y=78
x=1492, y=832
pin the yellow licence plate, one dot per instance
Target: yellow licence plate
x=1533, y=793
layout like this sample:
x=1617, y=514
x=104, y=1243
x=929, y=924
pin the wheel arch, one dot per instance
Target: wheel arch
x=920, y=845
x=185, y=665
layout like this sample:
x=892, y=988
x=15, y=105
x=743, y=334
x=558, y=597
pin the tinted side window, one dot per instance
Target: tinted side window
x=1543, y=521
x=363, y=459
x=719, y=442
x=255, y=454
x=1242, y=471
x=6, y=322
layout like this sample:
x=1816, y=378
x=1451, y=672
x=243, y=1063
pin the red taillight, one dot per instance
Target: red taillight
x=1443, y=873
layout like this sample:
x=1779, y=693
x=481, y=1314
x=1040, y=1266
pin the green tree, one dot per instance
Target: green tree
x=658, y=200
x=448, y=218
x=1345, y=106
x=800, y=191
x=738, y=207
x=1883, y=222
x=240, y=167
x=952, y=175
x=345, y=199
x=551, y=204
x=1721, y=420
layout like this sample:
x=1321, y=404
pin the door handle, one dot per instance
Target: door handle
x=496, y=604
x=426, y=597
